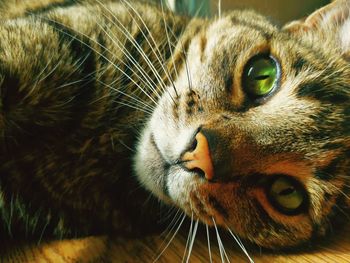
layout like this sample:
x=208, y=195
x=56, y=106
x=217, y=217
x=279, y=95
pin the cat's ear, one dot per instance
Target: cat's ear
x=330, y=23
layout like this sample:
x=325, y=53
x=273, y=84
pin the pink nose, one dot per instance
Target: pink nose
x=200, y=157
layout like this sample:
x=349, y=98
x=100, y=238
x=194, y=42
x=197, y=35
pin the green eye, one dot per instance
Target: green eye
x=260, y=76
x=287, y=195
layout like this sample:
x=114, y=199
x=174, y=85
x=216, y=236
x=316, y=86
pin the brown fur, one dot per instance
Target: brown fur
x=65, y=137
x=68, y=138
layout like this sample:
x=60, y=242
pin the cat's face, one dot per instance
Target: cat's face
x=256, y=135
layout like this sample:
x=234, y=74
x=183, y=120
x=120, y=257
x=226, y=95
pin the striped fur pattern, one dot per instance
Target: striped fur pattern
x=69, y=117
x=100, y=98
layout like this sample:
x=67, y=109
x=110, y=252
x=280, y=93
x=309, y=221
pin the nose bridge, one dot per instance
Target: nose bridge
x=200, y=157
x=221, y=155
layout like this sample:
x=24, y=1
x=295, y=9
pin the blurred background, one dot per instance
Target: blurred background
x=280, y=11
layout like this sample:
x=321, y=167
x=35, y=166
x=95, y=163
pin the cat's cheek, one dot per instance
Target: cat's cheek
x=194, y=196
x=301, y=224
x=180, y=185
x=150, y=168
x=230, y=207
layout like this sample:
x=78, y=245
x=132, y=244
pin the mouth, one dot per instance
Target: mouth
x=154, y=144
x=175, y=173
x=165, y=166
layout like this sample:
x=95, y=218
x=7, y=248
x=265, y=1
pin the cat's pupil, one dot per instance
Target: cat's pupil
x=262, y=77
x=287, y=191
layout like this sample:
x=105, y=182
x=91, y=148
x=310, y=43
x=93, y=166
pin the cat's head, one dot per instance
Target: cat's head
x=254, y=133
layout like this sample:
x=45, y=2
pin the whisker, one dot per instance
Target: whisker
x=185, y=61
x=344, y=194
x=71, y=83
x=169, y=42
x=239, y=242
x=99, y=53
x=9, y=218
x=222, y=246
x=169, y=212
x=148, y=107
x=39, y=78
x=199, y=9
x=154, y=42
x=134, y=42
x=209, y=249
x=188, y=238
x=85, y=78
x=43, y=230
x=342, y=211
x=172, y=224
x=183, y=51
x=192, y=240
x=117, y=42
x=126, y=146
x=38, y=81
x=133, y=105
x=219, y=241
x=337, y=188
x=188, y=75
x=171, y=239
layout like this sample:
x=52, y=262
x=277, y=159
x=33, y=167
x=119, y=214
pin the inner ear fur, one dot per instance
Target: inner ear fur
x=330, y=23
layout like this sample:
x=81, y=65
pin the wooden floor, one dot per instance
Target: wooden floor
x=104, y=249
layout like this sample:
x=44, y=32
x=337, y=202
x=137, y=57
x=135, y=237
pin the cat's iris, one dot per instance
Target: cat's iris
x=260, y=76
x=286, y=195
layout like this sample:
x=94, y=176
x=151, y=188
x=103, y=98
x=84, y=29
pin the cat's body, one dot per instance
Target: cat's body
x=66, y=141
x=78, y=136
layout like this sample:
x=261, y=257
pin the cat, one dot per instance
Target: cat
x=106, y=106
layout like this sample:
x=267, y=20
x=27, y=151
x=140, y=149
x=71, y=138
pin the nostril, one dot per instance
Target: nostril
x=194, y=142
x=197, y=157
x=193, y=145
x=198, y=171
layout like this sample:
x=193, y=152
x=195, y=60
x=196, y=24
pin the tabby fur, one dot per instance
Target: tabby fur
x=83, y=144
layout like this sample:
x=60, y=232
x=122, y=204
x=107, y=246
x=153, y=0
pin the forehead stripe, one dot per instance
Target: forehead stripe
x=330, y=171
x=218, y=207
x=299, y=64
x=325, y=94
x=265, y=32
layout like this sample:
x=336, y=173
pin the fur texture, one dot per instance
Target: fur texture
x=96, y=100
